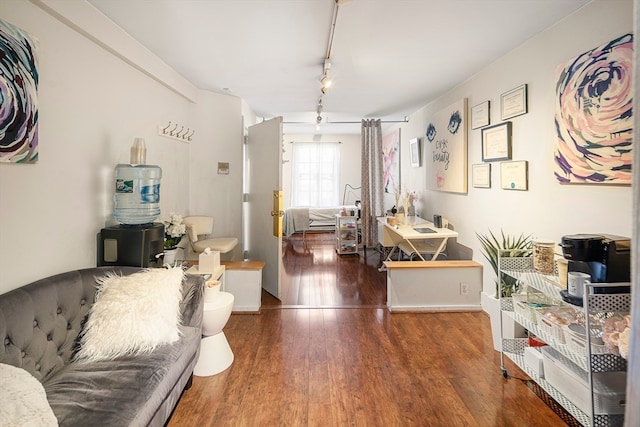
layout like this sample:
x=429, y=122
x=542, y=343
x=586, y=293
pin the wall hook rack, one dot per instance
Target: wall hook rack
x=176, y=131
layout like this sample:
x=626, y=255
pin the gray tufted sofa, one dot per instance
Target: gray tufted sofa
x=39, y=325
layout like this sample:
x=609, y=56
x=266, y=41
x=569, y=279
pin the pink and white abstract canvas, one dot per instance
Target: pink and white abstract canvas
x=391, y=162
x=594, y=116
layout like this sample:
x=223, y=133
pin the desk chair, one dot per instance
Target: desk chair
x=198, y=226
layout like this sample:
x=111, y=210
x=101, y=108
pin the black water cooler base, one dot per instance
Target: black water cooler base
x=131, y=245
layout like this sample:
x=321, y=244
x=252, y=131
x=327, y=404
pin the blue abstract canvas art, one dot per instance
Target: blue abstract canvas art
x=18, y=95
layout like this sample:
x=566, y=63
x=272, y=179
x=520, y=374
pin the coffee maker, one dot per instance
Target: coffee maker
x=606, y=258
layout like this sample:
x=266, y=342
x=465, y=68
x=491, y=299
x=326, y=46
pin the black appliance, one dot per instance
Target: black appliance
x=131, y=245
x=606, y=258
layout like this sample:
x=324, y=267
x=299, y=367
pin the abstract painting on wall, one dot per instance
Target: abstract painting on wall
x=391, y=162
x=594, y=117
x=18, y=93
x=446, y=149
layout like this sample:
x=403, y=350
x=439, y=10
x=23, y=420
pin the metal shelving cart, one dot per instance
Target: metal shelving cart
x=599, y=302
x=346, y=234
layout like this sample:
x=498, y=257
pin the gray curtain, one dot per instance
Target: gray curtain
x=371, y=192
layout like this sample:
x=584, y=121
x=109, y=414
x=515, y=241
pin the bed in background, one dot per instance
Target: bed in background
x=304, y=219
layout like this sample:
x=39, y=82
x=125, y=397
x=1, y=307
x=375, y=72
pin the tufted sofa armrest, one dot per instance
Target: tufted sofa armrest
x=192, y=304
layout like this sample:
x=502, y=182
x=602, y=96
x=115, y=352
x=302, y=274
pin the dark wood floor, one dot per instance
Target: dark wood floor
x=349, y=362
x=316, y=276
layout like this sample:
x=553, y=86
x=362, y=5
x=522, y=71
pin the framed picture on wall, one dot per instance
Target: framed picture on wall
x=513, y=175
x=481, y=175
x=391, y=162
x=513, y=103
x=496, y=142
x=584, y=128
x=414, y=151
x=480, y=115
x=19, y=82
x=445, y=148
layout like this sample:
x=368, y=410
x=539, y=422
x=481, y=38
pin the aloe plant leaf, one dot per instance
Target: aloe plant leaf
x=515, y=246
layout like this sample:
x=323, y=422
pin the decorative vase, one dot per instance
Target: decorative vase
x=170, y=256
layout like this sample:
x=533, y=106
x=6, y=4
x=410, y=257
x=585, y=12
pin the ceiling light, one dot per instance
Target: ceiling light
x=326, y=82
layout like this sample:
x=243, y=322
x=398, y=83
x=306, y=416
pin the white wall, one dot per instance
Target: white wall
x=349, y=162
x=220, y=140
x=92, y=105
x=547, y=209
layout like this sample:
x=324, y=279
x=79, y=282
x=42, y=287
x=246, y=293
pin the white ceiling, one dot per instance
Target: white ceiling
x=388, y=58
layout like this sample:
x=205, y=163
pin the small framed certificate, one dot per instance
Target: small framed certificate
x=480, y=115
x=513, y=175
x=414, y=151
x=496, y=142
x=513, y=103
x=481, y=175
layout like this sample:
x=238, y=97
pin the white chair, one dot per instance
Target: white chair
x=198, y=226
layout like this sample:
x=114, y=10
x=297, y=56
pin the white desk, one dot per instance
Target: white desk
x=392, y=236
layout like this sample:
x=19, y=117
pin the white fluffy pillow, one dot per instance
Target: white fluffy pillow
x=132, y=314
x=24, y=401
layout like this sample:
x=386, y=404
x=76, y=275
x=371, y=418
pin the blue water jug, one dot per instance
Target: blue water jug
x=137, y=194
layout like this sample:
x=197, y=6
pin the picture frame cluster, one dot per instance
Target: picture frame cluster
x=496, y=141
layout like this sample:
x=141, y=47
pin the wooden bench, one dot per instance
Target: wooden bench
x=452, y=285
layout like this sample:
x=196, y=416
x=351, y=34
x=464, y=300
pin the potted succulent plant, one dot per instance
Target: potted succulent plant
x=510, y=246
x=505, y=285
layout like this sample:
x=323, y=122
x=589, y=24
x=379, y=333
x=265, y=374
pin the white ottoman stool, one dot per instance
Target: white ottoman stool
x=215, y=353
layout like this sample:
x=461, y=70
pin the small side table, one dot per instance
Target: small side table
x=215, y=353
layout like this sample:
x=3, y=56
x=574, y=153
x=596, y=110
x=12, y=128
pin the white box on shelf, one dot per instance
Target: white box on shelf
x=208, y=263
x=533, y=360
x=567, y=378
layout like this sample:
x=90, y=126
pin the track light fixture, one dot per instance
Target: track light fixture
x=319, y=111
x=326, y=82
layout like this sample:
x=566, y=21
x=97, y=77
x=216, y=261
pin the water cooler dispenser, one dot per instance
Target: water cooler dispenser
x=137, y=241
x=133, y=245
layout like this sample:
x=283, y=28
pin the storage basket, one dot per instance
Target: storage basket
x=525, y=304
x=577, y=341
x=552, y=321
x=571, y=381
x=551, y=329
x=522, y=307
